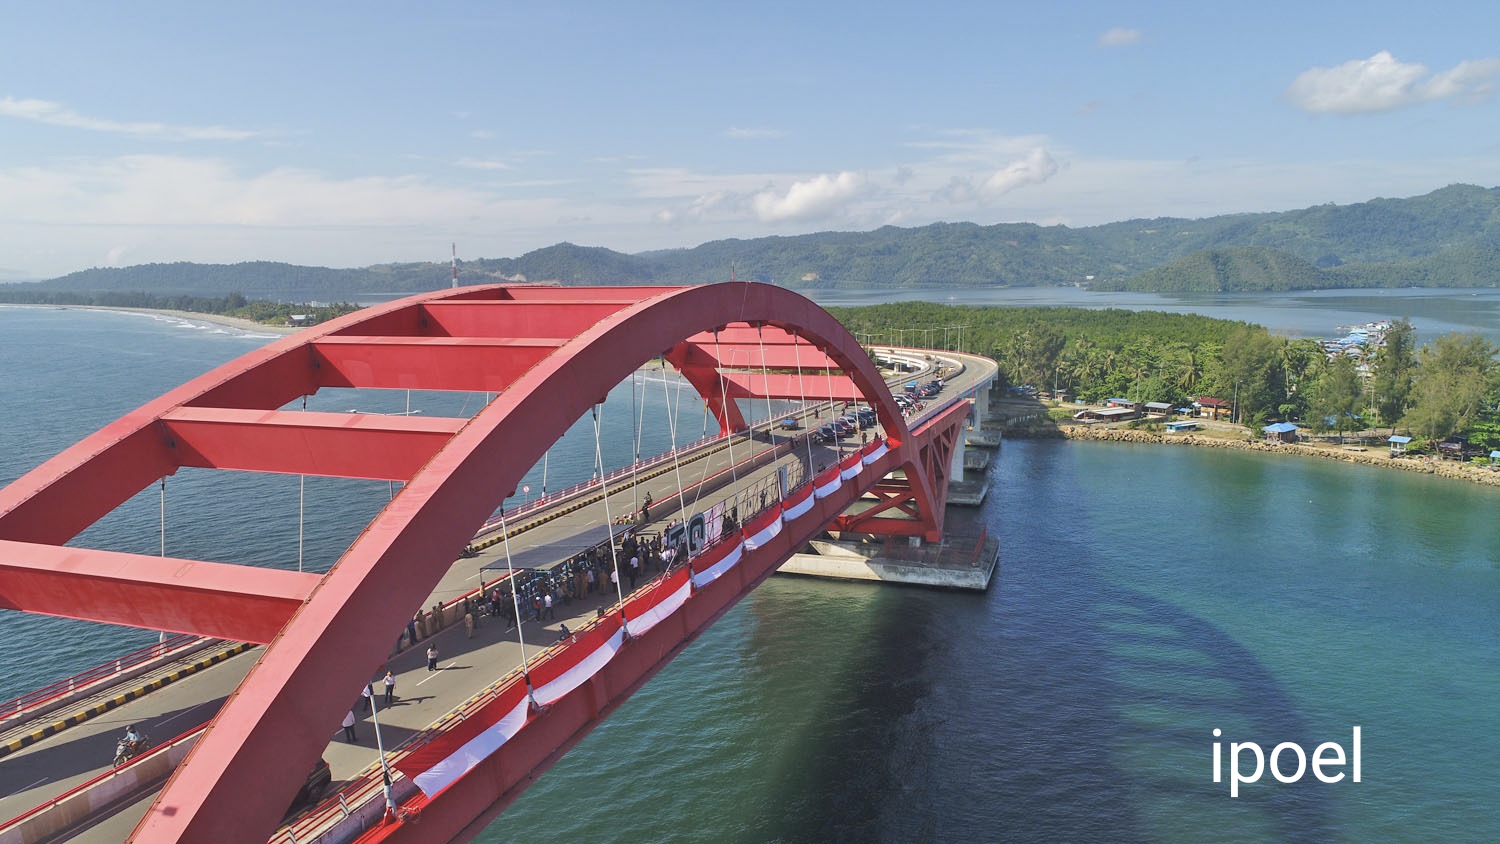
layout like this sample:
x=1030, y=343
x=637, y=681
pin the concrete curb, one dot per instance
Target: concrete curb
x=106, y=705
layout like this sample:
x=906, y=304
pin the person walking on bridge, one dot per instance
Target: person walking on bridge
x=349, y=728
x=432, y=656
x=390, y=688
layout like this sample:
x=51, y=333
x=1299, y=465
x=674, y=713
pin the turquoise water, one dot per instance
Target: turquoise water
x=1146, y=597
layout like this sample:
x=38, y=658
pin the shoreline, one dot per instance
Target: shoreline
x=249, y=325
x=1378, y=457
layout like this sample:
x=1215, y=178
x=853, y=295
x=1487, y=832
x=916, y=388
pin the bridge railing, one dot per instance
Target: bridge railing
x=352, y=803
x=541, y=502
x=546, y=499
x=148, y=769
x=117, y=666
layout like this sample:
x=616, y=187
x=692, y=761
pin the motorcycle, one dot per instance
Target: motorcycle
x=125, y=749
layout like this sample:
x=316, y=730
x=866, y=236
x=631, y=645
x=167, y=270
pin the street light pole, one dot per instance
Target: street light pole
x=385, y=769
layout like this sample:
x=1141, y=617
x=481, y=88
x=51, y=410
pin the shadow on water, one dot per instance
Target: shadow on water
x=1057, y=707
x=1063, y=705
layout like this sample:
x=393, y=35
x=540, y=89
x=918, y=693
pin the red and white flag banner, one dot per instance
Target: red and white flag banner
x=763, y=528
x=827, y=482
x=711, y=564
x=438, y=763
x=571, y=666
x=648, y=608
x=874, y=451
x=797, y=504
x=851, y=466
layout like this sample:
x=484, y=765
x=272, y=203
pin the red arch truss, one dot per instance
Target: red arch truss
x=549, y=353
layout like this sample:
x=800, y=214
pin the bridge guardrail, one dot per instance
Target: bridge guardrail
x=63, y=812
x=32, y=701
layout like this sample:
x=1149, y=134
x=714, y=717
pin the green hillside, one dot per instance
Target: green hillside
x=1447, y=238
x=1237, y=268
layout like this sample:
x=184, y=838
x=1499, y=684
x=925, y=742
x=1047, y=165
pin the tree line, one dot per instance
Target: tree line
x=1448, y=387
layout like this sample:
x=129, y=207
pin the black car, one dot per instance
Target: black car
x=312, y=788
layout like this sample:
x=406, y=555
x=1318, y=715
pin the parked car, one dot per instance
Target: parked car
x=312, y=788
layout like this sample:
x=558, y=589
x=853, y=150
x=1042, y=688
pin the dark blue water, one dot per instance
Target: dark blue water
x=1147, y=596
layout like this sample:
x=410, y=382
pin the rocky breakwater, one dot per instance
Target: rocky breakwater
x=1376, y=456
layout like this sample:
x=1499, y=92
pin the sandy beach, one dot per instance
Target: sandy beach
x=216, y=319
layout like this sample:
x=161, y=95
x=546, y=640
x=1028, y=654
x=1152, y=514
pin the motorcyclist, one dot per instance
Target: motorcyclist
x=132, y=739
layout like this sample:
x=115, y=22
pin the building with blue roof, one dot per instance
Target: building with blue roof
x=1281, y=432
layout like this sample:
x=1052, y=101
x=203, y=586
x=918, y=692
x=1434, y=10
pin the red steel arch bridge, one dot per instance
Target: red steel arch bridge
x=547, y=355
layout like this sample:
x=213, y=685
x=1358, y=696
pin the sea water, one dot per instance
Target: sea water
x=1146, y=597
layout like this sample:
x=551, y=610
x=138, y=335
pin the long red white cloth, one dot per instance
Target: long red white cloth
x=440, y=762
x=763, y=528
x=713, y=563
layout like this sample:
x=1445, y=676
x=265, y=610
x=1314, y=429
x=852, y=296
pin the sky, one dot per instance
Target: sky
x=351, y=134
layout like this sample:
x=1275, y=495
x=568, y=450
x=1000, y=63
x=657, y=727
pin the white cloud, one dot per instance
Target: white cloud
x=1033, y=168
x=139, y=209
x=41, y=111
x=816, y=198
x=1119, y=37
x=482, y=164
x=746, y=133
x=1381, y=83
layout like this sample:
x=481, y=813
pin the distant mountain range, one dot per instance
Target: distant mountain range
x=1447, y=238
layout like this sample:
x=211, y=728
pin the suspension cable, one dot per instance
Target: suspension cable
x=734, y=475
x=765, y=379
x=609, y=521
x=802, y=388
x=635, y=421
x=515, y=599
x=163, y=498
x=676, y=457
x=301, y=504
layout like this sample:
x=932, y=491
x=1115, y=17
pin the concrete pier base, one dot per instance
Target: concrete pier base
x=968, y=565
x=983, y=439
x=967, y=493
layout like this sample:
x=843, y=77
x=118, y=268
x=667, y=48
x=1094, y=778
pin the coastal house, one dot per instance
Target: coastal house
x=1106, y=414
x=1211, y=407
x=1158, y=408
x=1125, y=403
x=1399, y=444
x=1281, y=432
x=1453, y=448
